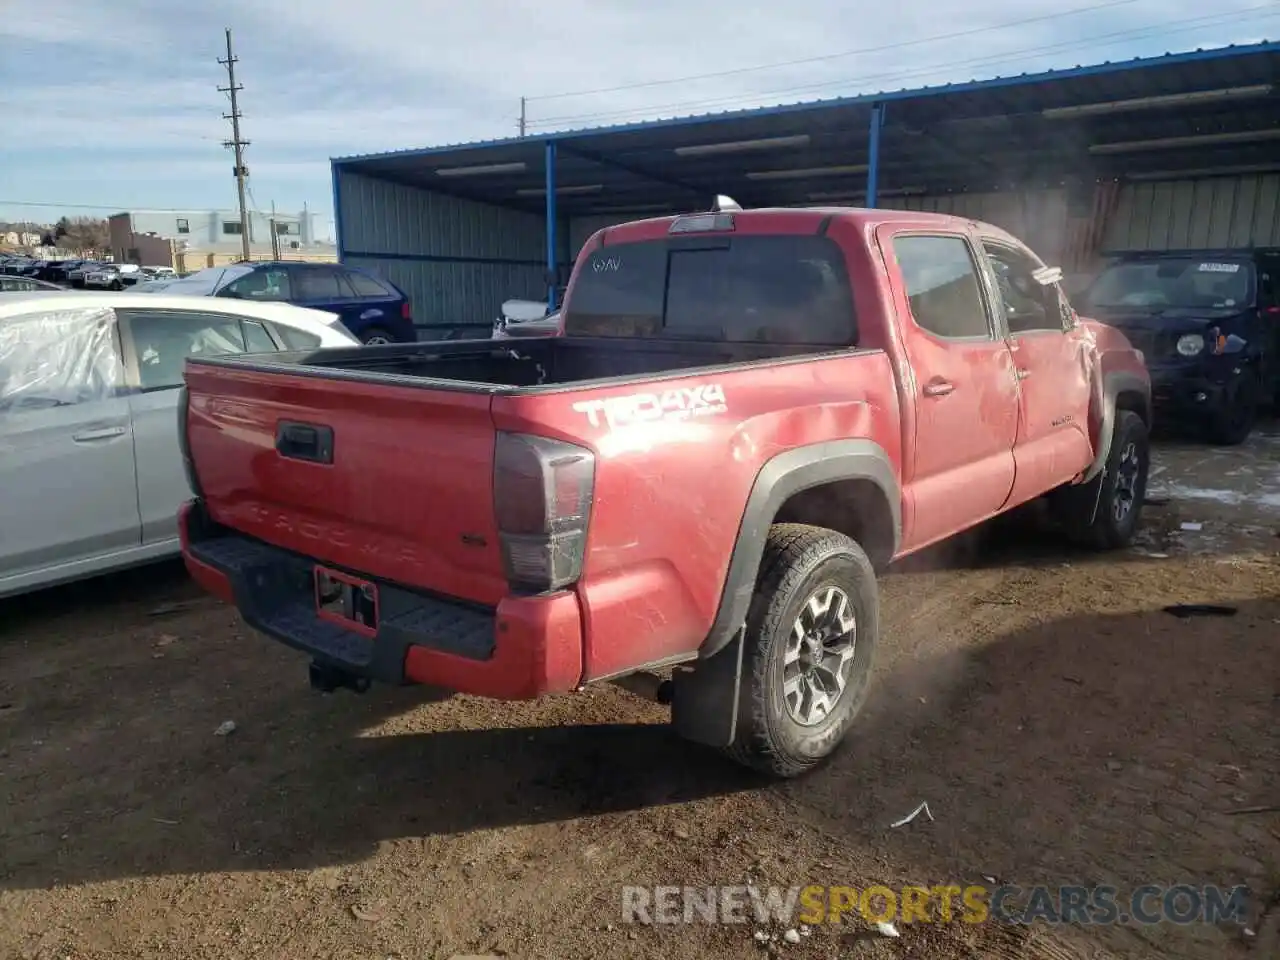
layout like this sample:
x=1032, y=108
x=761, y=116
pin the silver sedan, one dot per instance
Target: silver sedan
x=91, y=476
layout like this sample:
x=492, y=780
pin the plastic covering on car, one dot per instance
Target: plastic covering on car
x=57, y=357
x=202, y=283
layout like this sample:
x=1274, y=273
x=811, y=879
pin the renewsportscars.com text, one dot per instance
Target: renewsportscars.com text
x=815, y=904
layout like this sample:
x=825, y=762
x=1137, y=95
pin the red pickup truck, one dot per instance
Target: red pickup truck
x=747, y=414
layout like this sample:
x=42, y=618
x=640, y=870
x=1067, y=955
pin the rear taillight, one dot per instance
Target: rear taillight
x=404, y=311
x=184, y=446
x=542, y=492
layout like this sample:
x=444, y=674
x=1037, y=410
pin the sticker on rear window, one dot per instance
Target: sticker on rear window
x=1219, y=268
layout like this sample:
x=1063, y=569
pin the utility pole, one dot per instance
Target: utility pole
x=238, y=145
x=275, y=236
x=523, y=116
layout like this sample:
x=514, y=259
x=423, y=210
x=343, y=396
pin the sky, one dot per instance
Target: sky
x=110, y=105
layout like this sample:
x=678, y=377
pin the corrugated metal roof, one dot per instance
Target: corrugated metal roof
x=976, y=135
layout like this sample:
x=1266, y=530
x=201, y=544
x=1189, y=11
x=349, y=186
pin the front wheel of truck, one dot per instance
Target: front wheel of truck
x=1104, y=513
x=809, y=647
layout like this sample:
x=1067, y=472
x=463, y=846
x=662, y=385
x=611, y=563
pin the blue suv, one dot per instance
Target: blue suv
x=373, y=309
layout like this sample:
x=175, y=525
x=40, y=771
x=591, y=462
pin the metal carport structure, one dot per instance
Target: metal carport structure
x=465, y=226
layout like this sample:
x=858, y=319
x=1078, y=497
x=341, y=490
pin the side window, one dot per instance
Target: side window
x=1028, y=304
x=942, y=286
x=269, y=285
x=163, y=339
x=295, y=339
x=256, y=338
x=366, y=286
x=317, y=283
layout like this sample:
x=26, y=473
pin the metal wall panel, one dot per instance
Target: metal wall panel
x=457, y=293
x=457, y=260
x=1037, y=218
x=382, y=217
x=1189, y=214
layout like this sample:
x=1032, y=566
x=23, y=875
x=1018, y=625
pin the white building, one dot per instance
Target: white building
x=15, y=239
x=219, y=231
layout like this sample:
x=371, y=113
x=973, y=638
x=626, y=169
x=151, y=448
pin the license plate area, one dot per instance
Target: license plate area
x=346, y=600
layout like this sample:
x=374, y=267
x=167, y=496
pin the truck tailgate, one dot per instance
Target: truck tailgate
x=390, y=481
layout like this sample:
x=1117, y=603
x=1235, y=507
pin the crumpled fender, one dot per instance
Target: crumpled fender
x=1115, y=368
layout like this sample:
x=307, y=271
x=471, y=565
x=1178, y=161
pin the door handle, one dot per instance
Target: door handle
x=98, y=433
x=938, y=388
x=1021, y=373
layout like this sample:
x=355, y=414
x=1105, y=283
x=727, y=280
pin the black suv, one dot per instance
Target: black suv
x=1208, y=322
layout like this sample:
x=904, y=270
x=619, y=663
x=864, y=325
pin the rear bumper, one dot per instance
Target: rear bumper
x=526, y=647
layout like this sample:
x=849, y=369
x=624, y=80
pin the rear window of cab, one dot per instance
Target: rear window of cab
x=782, y=288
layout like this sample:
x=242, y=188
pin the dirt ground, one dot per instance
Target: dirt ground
x=1061, y=727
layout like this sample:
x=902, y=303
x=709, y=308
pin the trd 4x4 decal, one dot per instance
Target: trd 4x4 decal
x=678, y=403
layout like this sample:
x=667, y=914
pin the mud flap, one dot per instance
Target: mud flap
x=1080, y=501
x=706, y=694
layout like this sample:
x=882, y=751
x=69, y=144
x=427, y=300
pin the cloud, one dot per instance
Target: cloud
x=117, y=102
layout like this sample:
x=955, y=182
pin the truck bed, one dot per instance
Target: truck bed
x=520, y=366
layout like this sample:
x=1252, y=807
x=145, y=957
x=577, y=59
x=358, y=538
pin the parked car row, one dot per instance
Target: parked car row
x=81, y=274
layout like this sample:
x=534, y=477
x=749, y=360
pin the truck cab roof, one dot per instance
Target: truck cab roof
x=786, y=219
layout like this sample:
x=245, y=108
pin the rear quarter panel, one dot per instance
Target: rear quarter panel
x=671, y=490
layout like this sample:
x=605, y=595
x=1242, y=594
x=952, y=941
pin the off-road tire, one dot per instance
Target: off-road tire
x=1231, y=424
x=798, y=561
x=1103, y=530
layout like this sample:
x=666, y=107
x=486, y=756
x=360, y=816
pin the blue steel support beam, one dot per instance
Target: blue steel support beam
x=337, y=210
x=551, y=225
x=873, y=164
x=640, y=172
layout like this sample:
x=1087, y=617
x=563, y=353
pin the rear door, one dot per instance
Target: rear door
x=1055, y=368
x=377, y=303
x=965, y=390
x=319, y=287
x=156, y=344
x=68, y=488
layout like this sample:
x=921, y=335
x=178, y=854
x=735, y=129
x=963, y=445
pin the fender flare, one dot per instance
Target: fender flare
x=779, y=478
x=1114, y=384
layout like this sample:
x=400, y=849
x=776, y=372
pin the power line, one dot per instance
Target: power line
x=975, y=31
x=1110, y=39
x=235, y=142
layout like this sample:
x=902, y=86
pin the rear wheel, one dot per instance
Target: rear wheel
x=810, y=641
x=376, y=335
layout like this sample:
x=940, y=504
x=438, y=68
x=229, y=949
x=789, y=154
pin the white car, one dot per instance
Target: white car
x=113, y=276
x=91, y=476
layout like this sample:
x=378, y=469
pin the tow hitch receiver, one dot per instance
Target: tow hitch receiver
x=327, y=679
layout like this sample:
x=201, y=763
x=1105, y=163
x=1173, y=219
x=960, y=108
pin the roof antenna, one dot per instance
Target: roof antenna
x=723, y=203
